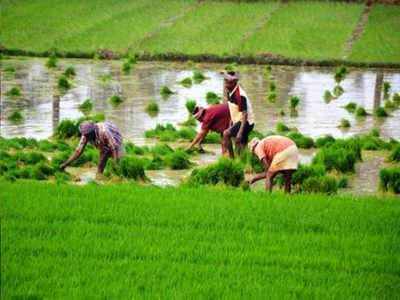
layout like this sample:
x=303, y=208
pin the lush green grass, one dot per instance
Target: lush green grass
x=312, y=30
x=213, y=28
x=381, y=39
x=125, y=241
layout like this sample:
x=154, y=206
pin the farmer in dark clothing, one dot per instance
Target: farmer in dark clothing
x=241, y=115
x=215, y=118
x=105, y=136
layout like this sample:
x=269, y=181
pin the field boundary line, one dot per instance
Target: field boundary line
x=358, y=30
x=247, y=35
x=164, y=24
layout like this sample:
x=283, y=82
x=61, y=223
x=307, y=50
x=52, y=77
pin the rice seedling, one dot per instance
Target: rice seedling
x=212, y=138
x=344, y=124
x=301, y=141
x=282, y=113
x=115, y=100
x=47, y=146
x=386, y=89
x=340, y=74
x=15, y=117
x=361, y=112
x=351, y=107
x=390, y=105
x=321, y=184
x=131, y=148
x=343, y=182
x=328, y=97
x=132, y=60
x=338, y=91
x=69, y=72
x=166, y=92
x=390, y=179
x=272, y=86
x=396, y=98
x=152, y=108
x=9, y=69
x=198, y=77
x=294, y=102
x=395, y=154
x=190, y=105
x=380, y=112
x=190, y=122
x=126, y=67
x=212, y=98
x=67, y=129
x=14, y=92
x=63, y=83
x=281, y=127
x=86, y=106
x=336, y=158
x=271, y=97
x=186, y=82
x=105, y=78
x=128, y=167
x=178, y=160
x=51, y=62
x=224, y=171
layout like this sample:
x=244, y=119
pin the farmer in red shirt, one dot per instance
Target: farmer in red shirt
x=215, y=118
x=278, y=154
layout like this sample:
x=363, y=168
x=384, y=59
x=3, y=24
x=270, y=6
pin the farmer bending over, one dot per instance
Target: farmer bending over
x=278, y=154
x=241, y=115
x=215, y=118
x=105, y=136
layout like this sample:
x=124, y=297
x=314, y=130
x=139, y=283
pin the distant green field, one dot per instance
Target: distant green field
x=130, y=242
x=310, y=30
x=381, y=39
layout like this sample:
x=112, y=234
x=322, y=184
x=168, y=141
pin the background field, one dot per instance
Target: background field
x=129, y=242
x=301, y=29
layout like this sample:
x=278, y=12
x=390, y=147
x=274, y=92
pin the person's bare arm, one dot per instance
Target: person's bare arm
x=262, y=175
x=198, y=139
x=78, y=152
x=241, y=129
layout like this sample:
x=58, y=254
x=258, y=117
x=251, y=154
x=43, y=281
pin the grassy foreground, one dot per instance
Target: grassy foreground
x=297, y=32
x=125, y=241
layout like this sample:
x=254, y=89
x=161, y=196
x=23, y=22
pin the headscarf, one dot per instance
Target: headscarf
x=253, y=144
x=87, y=128
x=231, y=76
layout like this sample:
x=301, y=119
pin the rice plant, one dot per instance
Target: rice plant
x=14, y=92
x=198, y=77
x=15, y=117
x=361, y=112
x=126, y=67
x=344, y=124
x=281, y=127
x=165, y=92
x=186, y=82
x=328, y=97
x=69, y=72
x=86, y=106
x=351, y=107
x=52, y=61
x=212, y=98
x=190, y=105
x=152, y=108
x=63, y=83
x=338, y=91
x=380, y=112
x=294, y=102
x=340, y=74
x=115, y=100
x=386, y=89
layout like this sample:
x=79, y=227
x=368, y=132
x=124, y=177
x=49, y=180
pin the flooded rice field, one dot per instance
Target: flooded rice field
x=43, y=107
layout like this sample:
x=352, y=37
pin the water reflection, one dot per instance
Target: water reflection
x=43, y=107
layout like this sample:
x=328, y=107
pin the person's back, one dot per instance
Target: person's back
x=216, y=118
x=271, y=145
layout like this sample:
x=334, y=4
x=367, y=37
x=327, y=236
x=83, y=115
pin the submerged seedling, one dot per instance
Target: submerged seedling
x=340, y=74
x=14, y=92
x=351, y=107
x=386, y=89
x=152, y=108
x=70, y=72
x=186, y=82
x=190, y=105
x=166, y=92
x=212, y=98
x=338, y=91
x=380, y=112
x=271, y=97
x=198, y=77
x=16, y=117
x=344, y=124
x=294, y=102
x=328, y=97
x=361, y=112
x=63, y=83
x=281, y=127
x=126, y=67
x=52, y=61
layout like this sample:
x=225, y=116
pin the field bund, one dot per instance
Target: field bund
x=128, y=241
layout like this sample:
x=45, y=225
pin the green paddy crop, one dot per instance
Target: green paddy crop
x=128, y=241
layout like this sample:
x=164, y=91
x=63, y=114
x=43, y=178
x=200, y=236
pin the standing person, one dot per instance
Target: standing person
x=105, y=136
x=241, y=115
x=278, y=154
x=215, y=118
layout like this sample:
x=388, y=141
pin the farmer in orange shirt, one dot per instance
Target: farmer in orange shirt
x=278, y=154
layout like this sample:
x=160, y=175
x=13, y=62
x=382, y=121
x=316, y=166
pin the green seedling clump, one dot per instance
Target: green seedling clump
x=390, y=105
x=272, y=86
x=305, y=171
x=128, y=167
x=86, y=107
x=396, y=98
x=351, y=107
x=126, y=67
x=131, y=148
x=47, y=146
x=190, y=122
x=390, y=179
x=186, y=82
x=190, y=105
x=178, y=160
x=344, y=123
x=336, y=158
x=272, y=97
x=51, y=62
x=321, y=184
x=198, y=77
x=328, y=96
x=294, y=102
x=14, y=92
x=212, y=138
x=361, y=112
x=166, y=92
x=340, y=74
x=395, y=154
x=380, y=112
x=281, y=127
x=386, y=89
x=115, y=100
x=15, y=117
x=343, y=182
x=70, y=72
x=338, y=91
x=67, y=129
x=30, y=158
x=63, y=83
x=212, y=98
x=152, y=108
x=301, y=141
x=224, y=171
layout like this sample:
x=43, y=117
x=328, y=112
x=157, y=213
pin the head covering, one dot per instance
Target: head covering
x=253, y=144
x=87, y=127
x=198, y=112
x=230, y=76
